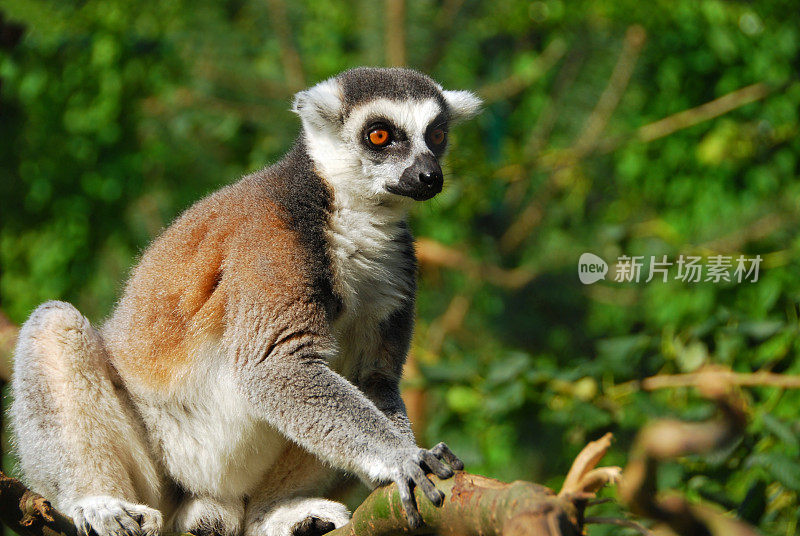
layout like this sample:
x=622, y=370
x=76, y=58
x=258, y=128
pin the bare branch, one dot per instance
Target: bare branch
x=704, y=112
x=584, y=463
x=292, y=65
x=395, y=32
x=532, y=214
x=29, y=514
x=693, y=116
x=669, y=439
x=516, y=83
x=617, y=84
x=473, y=505
x=433, y=253
x=720, y=375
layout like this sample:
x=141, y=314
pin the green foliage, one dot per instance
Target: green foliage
x=116, y=115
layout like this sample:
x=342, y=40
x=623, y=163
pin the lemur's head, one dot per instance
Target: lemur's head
x=377, y=134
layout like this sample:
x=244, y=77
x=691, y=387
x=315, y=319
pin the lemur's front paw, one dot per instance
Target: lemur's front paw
x=410, y=471
x=108, y=516
x=301, y=517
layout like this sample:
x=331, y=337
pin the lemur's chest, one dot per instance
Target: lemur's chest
x=373, y=272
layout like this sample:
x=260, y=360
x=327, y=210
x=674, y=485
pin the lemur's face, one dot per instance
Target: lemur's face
x=399, y=144
x=378, y=134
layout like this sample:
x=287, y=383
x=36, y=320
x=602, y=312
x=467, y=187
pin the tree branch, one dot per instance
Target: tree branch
x=395, y=33
x=518, y=82
x=720, y=375
x=473, y=505
x=668, y=439
x=292, y=64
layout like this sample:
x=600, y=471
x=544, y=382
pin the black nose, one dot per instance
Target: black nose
x=429, y=177
x=421, y=180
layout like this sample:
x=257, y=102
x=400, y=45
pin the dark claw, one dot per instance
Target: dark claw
x=427, y=487
x=443, y=451
x=436, y=466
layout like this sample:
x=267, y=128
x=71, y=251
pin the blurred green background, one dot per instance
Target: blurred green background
x=624, y=127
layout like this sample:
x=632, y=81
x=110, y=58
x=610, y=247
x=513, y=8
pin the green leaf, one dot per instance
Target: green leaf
x=781, y=467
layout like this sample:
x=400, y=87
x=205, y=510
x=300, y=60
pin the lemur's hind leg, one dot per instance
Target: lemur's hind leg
x=281, y=506
x=207, y=516
x=78, y=439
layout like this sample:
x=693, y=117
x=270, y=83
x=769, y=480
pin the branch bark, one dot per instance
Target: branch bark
x=473, y=505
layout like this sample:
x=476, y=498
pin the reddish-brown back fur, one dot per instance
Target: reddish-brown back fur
x=178, y=295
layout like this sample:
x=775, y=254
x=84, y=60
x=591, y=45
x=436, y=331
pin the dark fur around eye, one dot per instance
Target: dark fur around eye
x=438, y=123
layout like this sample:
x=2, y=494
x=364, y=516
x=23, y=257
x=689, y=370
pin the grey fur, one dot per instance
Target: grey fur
x=258, y=346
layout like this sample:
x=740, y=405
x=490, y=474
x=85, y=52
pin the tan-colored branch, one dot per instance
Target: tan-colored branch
x=540, y=133
x=704, y=112
x=693, y=116
x=292, y=64
x=668, y=439
x=432, y=253
x=532, y=214
x=720, y=375
x=28, y=514
x=518, y=82
x=617, y=84
x=395, y=32
x=450, y=321
x=583, y=477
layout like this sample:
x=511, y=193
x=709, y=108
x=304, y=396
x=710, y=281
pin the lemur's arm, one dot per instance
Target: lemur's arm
x=278, y=336
x=385, y=393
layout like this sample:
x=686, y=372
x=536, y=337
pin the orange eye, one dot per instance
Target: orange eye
x=436, y=136
x=379, y=137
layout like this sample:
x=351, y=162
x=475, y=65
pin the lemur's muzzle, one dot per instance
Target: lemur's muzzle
x=421, y=180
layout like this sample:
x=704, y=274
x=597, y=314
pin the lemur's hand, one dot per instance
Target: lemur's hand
x=410, y=471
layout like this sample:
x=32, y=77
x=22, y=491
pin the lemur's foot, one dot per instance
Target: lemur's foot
x=108, y=516
x=301, y=517
x=312, y=526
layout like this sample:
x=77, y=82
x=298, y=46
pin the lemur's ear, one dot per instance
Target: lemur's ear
x=463, y=105
x=321, y=105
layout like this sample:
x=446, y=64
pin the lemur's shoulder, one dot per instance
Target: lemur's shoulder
x=260, y=239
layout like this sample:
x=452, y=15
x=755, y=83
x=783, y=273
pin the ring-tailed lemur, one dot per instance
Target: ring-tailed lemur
x=259, y=342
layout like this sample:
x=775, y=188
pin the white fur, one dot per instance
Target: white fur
x=283, y=518
x=367, y=263
x=463, y=105
x=319, y=106
x=211, y=441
